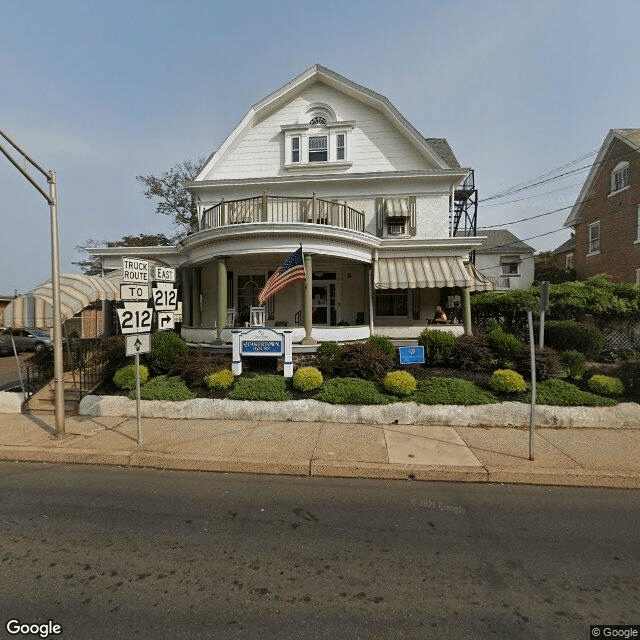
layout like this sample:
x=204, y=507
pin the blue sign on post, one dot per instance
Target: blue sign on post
x=411, y=355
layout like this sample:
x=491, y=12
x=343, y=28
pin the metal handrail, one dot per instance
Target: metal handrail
x=282, y=209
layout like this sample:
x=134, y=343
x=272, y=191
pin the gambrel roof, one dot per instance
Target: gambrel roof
x=435, y=150
x=630, y=137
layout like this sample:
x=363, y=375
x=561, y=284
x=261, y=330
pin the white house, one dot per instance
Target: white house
x=331, y=166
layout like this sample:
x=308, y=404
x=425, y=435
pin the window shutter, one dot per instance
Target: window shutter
x=413, y=224
x=379, y=217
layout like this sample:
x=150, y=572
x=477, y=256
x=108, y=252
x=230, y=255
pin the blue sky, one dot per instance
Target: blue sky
x=103, y=92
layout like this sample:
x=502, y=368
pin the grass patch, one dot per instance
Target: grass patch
x=352, y=391
x=450, y=391
x=564, y=394
x=267, y=387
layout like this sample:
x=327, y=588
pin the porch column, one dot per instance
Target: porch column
x=222, y=297
x=368, y=297
x=466, y=310
x=196, y=312
x=185, y=276
x=308, y=300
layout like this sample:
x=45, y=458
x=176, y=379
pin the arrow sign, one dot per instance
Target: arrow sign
x=138, y=343
x=166, y=321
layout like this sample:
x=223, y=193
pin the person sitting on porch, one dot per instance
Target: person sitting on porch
x=440, y=315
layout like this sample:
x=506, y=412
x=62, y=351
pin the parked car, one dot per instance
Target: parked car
x=25, y=340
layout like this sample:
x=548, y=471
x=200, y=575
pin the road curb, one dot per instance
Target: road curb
x=566, y=477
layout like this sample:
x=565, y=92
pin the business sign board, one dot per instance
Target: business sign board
x=164, y=274
x=135, y=317
x=411, y=355
x=134, y=270
x=262, y=342
x=130, y=291
x=138, y=343
x=165, y=296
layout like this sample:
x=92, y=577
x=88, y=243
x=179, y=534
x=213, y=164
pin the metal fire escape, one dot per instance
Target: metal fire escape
x=465, y=209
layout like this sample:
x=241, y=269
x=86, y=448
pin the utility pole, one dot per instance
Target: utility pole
x=51, y=198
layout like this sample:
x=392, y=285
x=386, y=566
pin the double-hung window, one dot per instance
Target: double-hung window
x=340, y=146
x=295, y=149
x=318, y=148
x=620, y=177
x=594, y=237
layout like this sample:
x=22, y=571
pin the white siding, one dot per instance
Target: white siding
x=375, y=144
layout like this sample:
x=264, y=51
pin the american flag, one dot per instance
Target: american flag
x=292, y=270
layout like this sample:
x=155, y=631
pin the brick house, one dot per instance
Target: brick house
x=606, y=216
x=563, y=256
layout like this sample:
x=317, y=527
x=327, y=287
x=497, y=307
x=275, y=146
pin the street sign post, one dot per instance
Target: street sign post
x=130, y=291
x=544, y=305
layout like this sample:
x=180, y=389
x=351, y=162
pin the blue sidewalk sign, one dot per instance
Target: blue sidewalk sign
x=411, y=355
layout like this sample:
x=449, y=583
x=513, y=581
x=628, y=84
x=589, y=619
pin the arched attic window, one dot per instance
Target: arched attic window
x=620, y=176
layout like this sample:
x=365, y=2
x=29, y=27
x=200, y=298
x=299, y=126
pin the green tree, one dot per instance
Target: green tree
x=172, y=198
x=545, y=268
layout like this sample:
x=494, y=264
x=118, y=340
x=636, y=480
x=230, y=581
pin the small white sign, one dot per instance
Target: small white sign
x=166, y=321
x=165, y=274
x=138, y=343
x=165, y=296
x=134, y=270
x=135, y=317
x=134, y=291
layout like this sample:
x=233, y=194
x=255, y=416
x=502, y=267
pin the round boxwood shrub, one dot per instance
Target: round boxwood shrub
x=306, y=379
x=507, y=381
x=170, y=388
x=439, y=346
x=473, y=353
x=219, y=379
x=564, y=335
x=548, y=363
x=385, y=345
x=400, y=383
x=574, y=362
x=166, y=347
x=328, y=355
x=605, y=385
x=125, y=377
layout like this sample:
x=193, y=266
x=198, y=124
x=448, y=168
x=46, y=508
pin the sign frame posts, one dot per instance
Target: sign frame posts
x=262, y=342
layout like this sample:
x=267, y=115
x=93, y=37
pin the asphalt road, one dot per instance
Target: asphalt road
x=134, y=553
x=9, y=376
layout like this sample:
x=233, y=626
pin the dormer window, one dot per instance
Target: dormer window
x=620, y=176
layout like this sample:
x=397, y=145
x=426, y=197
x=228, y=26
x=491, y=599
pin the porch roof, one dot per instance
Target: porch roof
x=419, y=273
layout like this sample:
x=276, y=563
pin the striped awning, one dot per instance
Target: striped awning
x=479, y=282
x=419, y=273
x=396, y=208
x=35, y=309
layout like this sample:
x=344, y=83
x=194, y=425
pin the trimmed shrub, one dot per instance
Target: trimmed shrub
x=125, y=377
x=605, y=385
x=629, y=374
x=219, y=379
x=193, y=368
x=473, y=353
x=385, y=345
x=564, y=394
x=507, y=381
x=328, y=356
x=166, y=347
x=564, y=335
x=505, y=345
x=574, y=362
x=170, y=388
x=364, y=360
x=439, y=346
x=306, y=379
x=548, y=364
x=268, y=387
x=450, y=391
x=400, y=383
x=352, y=391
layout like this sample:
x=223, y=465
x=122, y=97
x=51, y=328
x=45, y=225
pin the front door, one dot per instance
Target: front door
x=324, y=304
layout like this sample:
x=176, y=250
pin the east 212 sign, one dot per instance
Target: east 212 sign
x=165, y=296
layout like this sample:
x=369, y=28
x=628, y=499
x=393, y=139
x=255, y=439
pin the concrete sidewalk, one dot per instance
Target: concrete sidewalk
x=579, y=457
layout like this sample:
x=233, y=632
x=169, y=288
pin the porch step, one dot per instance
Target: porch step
x=44, y=401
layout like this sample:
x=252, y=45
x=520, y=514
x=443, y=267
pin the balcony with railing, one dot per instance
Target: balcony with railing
x=501, y=283
x=282, y=209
